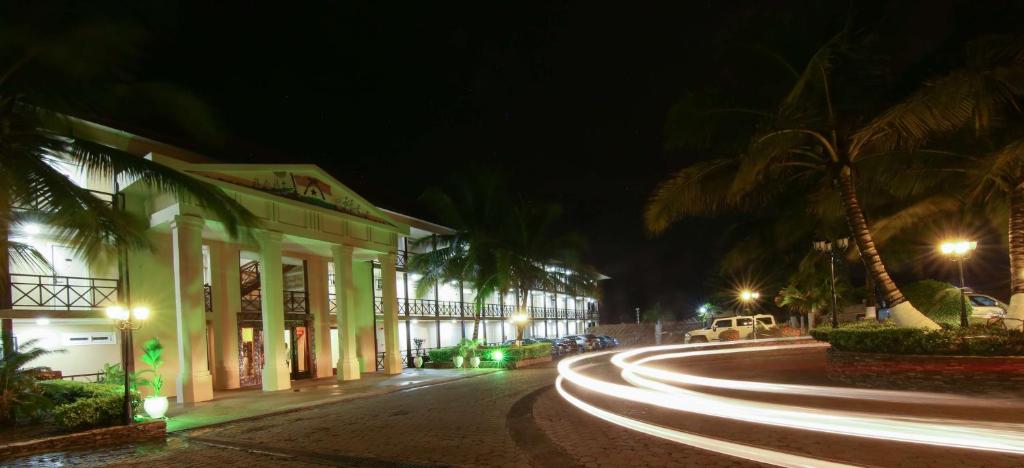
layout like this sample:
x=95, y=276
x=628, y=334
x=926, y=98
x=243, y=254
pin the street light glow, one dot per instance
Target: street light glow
x=747, y=295
x=498, y=355
x=141, y=313
x=117, y=312
x=958, y=248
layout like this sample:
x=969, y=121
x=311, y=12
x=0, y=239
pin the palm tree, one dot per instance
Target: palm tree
x=812, y=139
x=499, y=245
x=979, y=96
x=20, y=394
x=33, y=140
x=809, y=290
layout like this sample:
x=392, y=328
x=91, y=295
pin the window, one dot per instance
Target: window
x=983, y=301
x=743, y=322
x=88, y=338
x=765, y=321
x=723, y=323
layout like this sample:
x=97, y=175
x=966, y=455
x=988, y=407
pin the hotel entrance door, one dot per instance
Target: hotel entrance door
x=296, y=338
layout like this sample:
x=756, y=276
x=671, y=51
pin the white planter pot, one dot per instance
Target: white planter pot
x=418, y=361
x=474, y=362
x=155, y=406
x=457, y=360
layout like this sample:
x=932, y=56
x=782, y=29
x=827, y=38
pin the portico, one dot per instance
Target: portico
x=256, y=309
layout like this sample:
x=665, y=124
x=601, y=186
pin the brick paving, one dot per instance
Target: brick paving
x=506, y=418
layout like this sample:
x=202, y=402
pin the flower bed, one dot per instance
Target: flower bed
x=489, y=355
x=997, y=375
x=85, y=405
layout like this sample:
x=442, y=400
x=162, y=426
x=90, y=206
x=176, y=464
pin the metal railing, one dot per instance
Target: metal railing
x=295, y=302
x=455, y=309
x=63, y=292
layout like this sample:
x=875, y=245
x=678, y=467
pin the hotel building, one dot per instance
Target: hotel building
x=324, y=275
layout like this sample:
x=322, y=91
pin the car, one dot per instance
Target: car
x=985, y=307
x=739, y=323
x=576, y=343
x=592, y=342
x=609, y=342
x=558, y=346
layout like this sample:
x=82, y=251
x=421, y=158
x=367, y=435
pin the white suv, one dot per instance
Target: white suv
x=738, y=323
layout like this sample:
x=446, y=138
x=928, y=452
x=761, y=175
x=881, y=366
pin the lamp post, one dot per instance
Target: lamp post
x=959, y=251
x=748, y=297
x=126, y=321
x=702, y=312
x=832, y=249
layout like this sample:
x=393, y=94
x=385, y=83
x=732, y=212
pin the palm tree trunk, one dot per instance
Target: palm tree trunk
x=1016, y=240
x=6, y=300
x=903, y=312
x=810, y=319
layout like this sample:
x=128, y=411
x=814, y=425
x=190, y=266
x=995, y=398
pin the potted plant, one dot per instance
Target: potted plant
x=466, y=347
x=155, y=404
x=418, y=360
x=470, y=350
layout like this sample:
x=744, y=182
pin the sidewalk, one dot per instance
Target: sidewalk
x=233, y=405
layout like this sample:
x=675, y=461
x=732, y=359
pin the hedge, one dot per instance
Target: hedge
x=888, y=339
x=937, y=300
x=85, y=405
x=486, y=353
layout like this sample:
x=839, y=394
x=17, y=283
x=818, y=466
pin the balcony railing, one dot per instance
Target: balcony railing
x=295, y=302
x=454, y=309
x=63, y=292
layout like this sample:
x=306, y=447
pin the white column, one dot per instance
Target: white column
x=276, y=372
x=194, y=382
x=389, y=308
x=319, y=307
x=225, y=284
x=348, y=359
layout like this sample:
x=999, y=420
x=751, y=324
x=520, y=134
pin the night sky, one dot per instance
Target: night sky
x=568, y=100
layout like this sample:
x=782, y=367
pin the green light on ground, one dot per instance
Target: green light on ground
x=498, y=355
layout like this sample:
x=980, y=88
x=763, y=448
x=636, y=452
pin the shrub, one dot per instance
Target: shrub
x=784, y=331
x=938, y=300
x=887, y=339
x=83, y=405
x=442, y=354
x=729, y=335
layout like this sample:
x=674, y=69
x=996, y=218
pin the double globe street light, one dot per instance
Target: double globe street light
x=959, y=251
x=126, y=321
x=832, y=250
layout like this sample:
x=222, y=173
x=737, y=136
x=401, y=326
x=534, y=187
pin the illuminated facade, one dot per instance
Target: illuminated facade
x=324, y=271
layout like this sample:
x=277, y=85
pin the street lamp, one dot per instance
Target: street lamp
x=959, y=251
x=832, y=249
x=748, y=297
x=126, y=321
x=520, y=320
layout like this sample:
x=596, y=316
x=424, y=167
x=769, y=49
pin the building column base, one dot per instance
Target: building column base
x=276, y=379
x=392, y=364
x=195, y=387
x=348, y=369
x=227, y=378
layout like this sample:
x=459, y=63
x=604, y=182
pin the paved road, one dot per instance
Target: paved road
x=502, y=419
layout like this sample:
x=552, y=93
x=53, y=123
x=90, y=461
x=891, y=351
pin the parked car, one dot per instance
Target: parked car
x=739, y=323
x=985, y=307
x=526, y=341
x=607, y=341
x=558, y=346
x=576, y=343
x=592, y=342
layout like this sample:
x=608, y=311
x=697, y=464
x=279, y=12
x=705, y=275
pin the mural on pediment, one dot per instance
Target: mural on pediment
x=299, y=187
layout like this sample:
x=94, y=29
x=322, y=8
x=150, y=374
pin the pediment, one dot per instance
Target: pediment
x=305, y=183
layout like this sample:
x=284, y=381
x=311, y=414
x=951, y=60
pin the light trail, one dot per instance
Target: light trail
x=997, y=437
x=747, y=452
x=892, y=396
